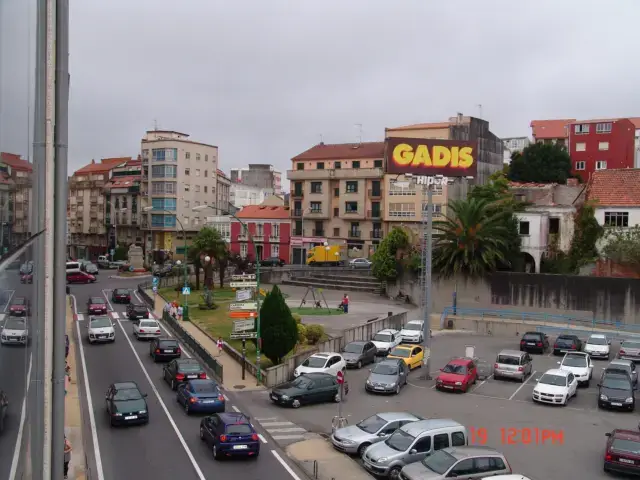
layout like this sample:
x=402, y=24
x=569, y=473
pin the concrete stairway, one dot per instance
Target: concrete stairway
x=348, y=282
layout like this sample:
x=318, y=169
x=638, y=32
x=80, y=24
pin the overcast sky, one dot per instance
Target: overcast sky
x=264, y=80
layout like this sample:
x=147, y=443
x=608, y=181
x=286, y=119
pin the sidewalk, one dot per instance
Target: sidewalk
x=329, y=463
x=73, y=420
x=232, y=371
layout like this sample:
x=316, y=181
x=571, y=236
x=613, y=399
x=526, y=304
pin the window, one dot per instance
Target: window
x=163, y=204
x=275, y=250
x=161, y=221
x=464, y=467
x=197, y=172
x=603, y=146
x=164, y=171
x=581, y=147
x=350, y=207
x=601, y=165
x=206, y=173
x=440, y=441
x=354, y=229
x=198, y=188
x=336, y=212
x=375, y=188
x=423, y=445
x=206, y=158
x=196, y=204
x=604, y=127
x=197, y=156
x=187, y=171
x=316, y=207
x=320, y=165
x=554, y=226
x=164, y=154
x=582, y=129
x=205, y=187
x=186, y=203
x=159, y=188
x=402, y=210
x=524, y=228
x=457, y=439
x=185, y=221
x=243, y=250
x=275, y=230
x=187, y=155
x=299, y=166
x=337, y=165
x=259, y=229
x=316, y=187
x=580, y=165
x=187, y=187
x=355, y=164
x=352, y=187
x=402, y=188
x=616, y=219
x=336, y=231
x=377, y=164
x=436, y=209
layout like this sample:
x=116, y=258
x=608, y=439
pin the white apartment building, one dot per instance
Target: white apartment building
x=513, y=145
x=224, y=191
x=178, y=174
x=221, y=223
x=242, y=195
x=260, y=175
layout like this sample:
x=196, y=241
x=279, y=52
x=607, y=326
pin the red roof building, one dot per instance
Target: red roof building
x=616, y=197
x=270, y=227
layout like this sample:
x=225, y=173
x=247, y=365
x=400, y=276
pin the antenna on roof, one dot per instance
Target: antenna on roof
x=359, y=127
x=155, y=125
x=321, y=139
x=480, y=110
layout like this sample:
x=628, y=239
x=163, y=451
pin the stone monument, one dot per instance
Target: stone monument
x=136, y=259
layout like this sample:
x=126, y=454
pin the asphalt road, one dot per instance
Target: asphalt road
x=169, y=446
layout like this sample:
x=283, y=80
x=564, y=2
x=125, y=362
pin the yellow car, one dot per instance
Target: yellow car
x=412, y=355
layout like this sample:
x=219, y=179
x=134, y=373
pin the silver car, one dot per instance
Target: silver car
x=512, y=364
x=354, y=439
x=359, y=353
x=623, y=366
x=15, y=331
x=146, y=329
x=629, y=350
x=387, y=376
x=458, y=462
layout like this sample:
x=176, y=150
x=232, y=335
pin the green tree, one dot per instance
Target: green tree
x=208, y=242
x=472, y=241
x=279, y=330
x=587, y=232
x=623, y=246
x=386, y=259
x=541, y=163
x=194, y=258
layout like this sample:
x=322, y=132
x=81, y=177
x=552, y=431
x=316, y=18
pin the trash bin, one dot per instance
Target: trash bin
x=185, y=312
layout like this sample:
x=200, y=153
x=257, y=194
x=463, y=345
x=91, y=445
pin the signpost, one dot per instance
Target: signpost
x=243, y=295
x=243, y=326
x=186, y=290
x=253, y=306
x=249, y=284
x=245, y=307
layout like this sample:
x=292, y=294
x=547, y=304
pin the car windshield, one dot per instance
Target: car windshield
x=382, y=337
x=100, y=322
x=315, y=362
x=302, y=382
x=239, y=429
x=140, y=308
x=508, y=360
x=597, y=341
x=353, y=348
x=531, y=337
x=148, y=324
x=18, y=301
x=413, y=326
x=15, y=324
x=97, y=301
x=127, y=394
x=372, y=424
x=401, y=352
x=624, y=445
x=575, y=361
x=456, y=369
x=400, y=440
x=630, y=345
x=440, y=462
x=120, y=291
x=385, y=369
x=205, y=388
x=565, y=340
x=616, y=382
x=555, y=380
x=618, y=370
x=189, y=367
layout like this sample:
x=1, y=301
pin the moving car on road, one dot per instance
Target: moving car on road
x=136, y=311
x=126, y=404
x=555, y=386
x=355, y=439
x=330, y=363
x=164, y=349
x=121, y=295
x=386, y=339
x=26, y=278
x=412, y=332
x=100, y=329
x=534, y=342
x=622, y=452
x=201, y=396
x=4, y=406
x=359, y=353
x=307, y=389
x=580, y=364
x=458, y=375
x=90, y=268
x=145, y=329
x=230, y=435
x=97, y=306
x=626, y=367
x=460, y=462
x=387, y=376
x=272, y=262
x=412, y=355
x=15, y=332
x=598, y=346
x=512, y=364
x=629, y=350
x=616, y=391
x=567, y=342
x=360, y=263
x=181, y=370
x=80, y=277
x=19, y=307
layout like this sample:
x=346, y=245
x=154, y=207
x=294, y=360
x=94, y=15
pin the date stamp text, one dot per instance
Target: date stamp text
x=516, y=436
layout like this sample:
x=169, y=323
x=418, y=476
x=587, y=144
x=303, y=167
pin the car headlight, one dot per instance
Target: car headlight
x=348, y=442
x=392, y=385
x=629, y=400
x=285, y=397
x=536, y=392
x=368, y=382
x=604, y=398
x=117, y=414
x=438, y=380
x=458, y=383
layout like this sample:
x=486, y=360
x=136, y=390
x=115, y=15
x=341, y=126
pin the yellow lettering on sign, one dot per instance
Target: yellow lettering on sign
x=455, y=156
x=403, y=154
x=421, y=157
x=441, y=156
x=466, y=157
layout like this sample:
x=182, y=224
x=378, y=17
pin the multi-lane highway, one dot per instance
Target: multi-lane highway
x=169, y=446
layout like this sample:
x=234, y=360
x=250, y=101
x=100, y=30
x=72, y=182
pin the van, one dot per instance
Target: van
x=73, y=267
x=412, y=443
x=513, y=364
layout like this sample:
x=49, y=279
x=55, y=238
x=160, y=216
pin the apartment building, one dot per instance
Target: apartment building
x=16, y=183
x=177, y=175
x=223, y=196
x=270, y=228
x=551, y=131
x=124, y=205
x=222, y=224
x=616, y=197
x=241, y=195
x=514, y=145
x=259, y=175
x=89, y=231
x=336, y=197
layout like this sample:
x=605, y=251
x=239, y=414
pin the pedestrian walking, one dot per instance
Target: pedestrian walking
x=67, y=456
x=219, y=344
x=180, y=312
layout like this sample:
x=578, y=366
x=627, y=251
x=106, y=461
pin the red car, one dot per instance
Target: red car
x=26, y=278
x=97, y=306
x=622, y=454
x=458, y=375
x=80, y=277
x=121, y=295
x=19, y=307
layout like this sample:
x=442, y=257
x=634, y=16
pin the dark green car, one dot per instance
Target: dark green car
x=126, y=404
x=308, y=388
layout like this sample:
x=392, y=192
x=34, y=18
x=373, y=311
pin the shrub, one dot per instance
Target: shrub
x=297, y=318
x=314, y=333
x=302, y=334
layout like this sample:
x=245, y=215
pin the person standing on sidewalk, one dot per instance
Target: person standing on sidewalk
x=67, y=456
x=219, y=344
x=345, y=303
x=180, y=312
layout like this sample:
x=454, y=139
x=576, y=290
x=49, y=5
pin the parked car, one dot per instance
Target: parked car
x=412, y=355
x=230, y=434
x=136, y=311
x=97, y=306
x=629, y=350
x=412, y=332
x=458, y=375
x=330, y=363
x=307, y=389
x=555, y=386
x=459, y=462
x=164, y=349
x=360, y=263
x=386, y=339
x=387, y=376
x=622, y=452
x=80, y=277
x=512, y=364
x=623, y=366
x=616, y=391
x=272, y=262
x=599, y=346
x=567, y=342
x=181, y=370
x=126, y=404
x=200, y=396
x=146, y=329
x=580, y=364
x=100, y=329
x=359, y=353
x=534, y=342
x=89, y=268
x=121, y=295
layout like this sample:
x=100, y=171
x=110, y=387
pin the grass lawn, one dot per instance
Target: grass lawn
x=310, y=311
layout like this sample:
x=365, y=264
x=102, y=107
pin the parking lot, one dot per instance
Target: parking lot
x=575, y=434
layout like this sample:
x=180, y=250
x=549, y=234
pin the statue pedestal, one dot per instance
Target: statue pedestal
x=136, y=259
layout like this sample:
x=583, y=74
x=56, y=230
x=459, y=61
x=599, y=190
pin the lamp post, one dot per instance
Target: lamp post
x=185, y=312
x=253, y=244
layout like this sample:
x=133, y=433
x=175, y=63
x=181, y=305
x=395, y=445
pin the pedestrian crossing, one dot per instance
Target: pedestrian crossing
x=121, y=316
x=282, y=430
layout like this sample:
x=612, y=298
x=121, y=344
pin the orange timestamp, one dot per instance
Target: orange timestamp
x=516, y=436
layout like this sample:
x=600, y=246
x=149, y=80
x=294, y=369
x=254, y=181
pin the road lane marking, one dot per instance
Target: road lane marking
x=262, y=439
x=235, y=409
x=226, y=399
x=285, y=430
x=23, y=415
x=284, y=464
x=276, y=424
x=482, y=383
x=115, y=315
x=523, y=384
x=6, y=305
x=106, y=297
x=92, y=420
x=194, y=463
x=80, y=317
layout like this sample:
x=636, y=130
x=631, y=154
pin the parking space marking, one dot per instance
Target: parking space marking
x=523, y=384
x=106, y=297
x=484, y=396
x=481, y=383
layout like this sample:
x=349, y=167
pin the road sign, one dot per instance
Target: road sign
x=113, y=252
x=244, y=306
x=186, y=291
x=155, y=281
x=243, y=277
x=340, y=377
x=243, y=284
x=239, y=336
x=155, y=289
x=243, y=314
x=243, y=295
x=243, y=326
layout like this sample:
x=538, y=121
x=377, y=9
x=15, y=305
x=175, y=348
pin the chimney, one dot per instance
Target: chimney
x=93, y=161
x=572, y=182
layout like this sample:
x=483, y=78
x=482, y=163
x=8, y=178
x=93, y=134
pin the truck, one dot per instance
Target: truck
x=331, y=255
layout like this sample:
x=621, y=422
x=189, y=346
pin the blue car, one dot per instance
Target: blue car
x=230, y=435
x=200, y=396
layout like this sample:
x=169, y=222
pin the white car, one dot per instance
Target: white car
x=100, y=329
x=331, y=363
x=360, y=263
x=386, y=339
x=555, y=386
x=412, y=332
x=598, y=346
x=146, y=329
x=580, y=364
x=15, y=331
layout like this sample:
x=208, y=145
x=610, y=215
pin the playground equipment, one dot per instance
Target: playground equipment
x=316, y=300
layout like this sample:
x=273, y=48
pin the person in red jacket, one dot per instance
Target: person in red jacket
x=345, y=303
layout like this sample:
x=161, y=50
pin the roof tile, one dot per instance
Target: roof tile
x=15, y=162
x=615, y=188
x=420, y=126
x=124, y=181
x=104, y=166
x=542, y=129
x=343, y=151
x=260, y=212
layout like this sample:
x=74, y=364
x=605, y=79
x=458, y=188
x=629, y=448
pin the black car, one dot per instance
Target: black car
x=534, y=342
x=121, y=295
x=230, y=434
x=567, y=342
x=126, y=404
x=4, y=405
x=272, y=262
x=308, y=388
x=136, y=311
x=182, y=369
x=164, y=349
x=616, y=391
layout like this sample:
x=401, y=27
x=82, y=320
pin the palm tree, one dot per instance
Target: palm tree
x=209, y=242
x=472, y=240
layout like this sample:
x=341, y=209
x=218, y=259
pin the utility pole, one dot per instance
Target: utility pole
x=427, y=253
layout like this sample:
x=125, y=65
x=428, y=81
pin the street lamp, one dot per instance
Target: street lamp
x=115, y=229
x=253, y=244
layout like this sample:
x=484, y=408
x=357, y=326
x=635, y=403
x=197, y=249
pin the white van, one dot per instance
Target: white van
x=73, y=267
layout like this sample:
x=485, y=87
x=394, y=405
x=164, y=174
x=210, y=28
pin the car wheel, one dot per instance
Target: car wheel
x=359, y=364
x=362, y=448
x=295, y=403
x=186, y=408
x=397, y=389
x=202, y=434
x=394, y=473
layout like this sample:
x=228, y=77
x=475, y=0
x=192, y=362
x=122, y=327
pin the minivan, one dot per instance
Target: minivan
x=73, y=267
x=412, y=443
x=512, y=364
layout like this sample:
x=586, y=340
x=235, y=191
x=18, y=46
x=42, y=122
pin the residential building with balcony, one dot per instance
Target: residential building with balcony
x=222, y=224
x=241, y=195
x=336, y=196
x=270, y=228
x=223, y=195
x=514, y=145
x=260, y=175
x=178, y=174
x=16, y=186
x=616, y=197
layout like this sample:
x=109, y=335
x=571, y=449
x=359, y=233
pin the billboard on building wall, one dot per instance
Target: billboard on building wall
x=450, y=158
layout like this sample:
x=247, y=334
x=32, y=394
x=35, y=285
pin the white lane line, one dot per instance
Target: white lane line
x=285, y=430
x=92, y=420
x=235, y=409
x=523, y=384
x=262, y=439
x=284, y=464
x=106, y=297
x=6, y=305
x=276, y=424
x=194, y=463
x=226, y=399
x=115, y=315
x=482, y=383
x=23, y=416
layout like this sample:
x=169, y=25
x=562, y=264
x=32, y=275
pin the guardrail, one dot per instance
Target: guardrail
x=183, y=335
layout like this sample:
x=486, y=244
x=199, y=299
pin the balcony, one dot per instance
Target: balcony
x=345, y=173
x=23, y=181
x=374, y=213
x=317, y=233
x=296, y=233
x=316, y=214
x=375, y=234
x=258, y=237
x=243, y=237
x=354, y=233
x=93, y=200
x=309, y=174
x=93, y=230
x=297, y=194
x=375, y=193
x=274, y=238
x=297, y=212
